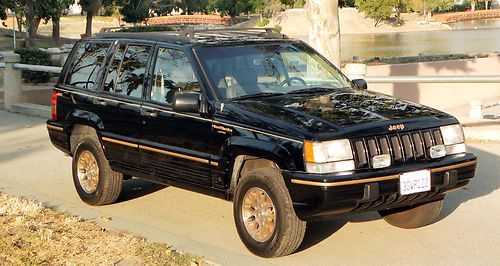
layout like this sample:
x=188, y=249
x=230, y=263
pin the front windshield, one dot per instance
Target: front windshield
x=268, y=69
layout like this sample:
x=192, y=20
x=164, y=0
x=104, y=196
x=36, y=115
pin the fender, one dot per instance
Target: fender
x=83, y=117
x=238, y=145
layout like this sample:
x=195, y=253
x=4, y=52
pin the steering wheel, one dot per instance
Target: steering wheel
x=290, y=79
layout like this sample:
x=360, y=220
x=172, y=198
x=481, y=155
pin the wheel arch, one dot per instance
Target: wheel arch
x=245, y=155
x=81, y=122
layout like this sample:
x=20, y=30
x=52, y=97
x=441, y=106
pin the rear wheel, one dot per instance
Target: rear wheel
x=413, y=217
x=94, y=180
x=264, y=215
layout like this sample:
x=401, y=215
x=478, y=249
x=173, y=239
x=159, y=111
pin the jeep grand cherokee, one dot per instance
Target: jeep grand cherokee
x=253, y=117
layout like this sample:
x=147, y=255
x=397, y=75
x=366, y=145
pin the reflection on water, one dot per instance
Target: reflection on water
x=485, y=40
x=475, y=24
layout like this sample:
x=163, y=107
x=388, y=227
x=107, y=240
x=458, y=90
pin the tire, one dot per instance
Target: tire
x=108, y=186
x=288, y=231
x=413, y=217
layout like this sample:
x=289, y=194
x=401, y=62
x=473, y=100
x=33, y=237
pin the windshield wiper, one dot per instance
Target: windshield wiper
x=312, y=90
x=257, y=95
x=317, y=90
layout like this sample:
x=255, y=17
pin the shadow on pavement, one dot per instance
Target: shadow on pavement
x=136, y=188
x=484, y=183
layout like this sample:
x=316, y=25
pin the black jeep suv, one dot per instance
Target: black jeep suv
x=253, y=117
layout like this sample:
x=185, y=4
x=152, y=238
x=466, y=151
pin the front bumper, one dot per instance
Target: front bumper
x=317, y=196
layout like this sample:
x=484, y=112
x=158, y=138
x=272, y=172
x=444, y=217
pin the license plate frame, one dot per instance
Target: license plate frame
x=415, y=182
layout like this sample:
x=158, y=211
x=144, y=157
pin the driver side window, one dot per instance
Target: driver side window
x=173, y=74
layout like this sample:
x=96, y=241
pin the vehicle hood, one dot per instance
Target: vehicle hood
x=337, y=111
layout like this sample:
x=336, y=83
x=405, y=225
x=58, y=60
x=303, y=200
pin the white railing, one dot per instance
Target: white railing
x=48, y=69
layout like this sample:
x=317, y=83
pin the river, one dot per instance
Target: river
x=480, y=36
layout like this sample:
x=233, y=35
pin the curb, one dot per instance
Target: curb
x=31, y=109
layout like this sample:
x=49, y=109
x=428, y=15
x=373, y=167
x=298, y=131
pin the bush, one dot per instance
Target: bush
x=263, y=22
x=278, y=28
x=34, y=56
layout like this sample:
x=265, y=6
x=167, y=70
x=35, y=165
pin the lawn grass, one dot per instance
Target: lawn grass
x=31, y=234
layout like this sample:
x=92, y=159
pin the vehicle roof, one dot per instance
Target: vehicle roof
x=207, y=36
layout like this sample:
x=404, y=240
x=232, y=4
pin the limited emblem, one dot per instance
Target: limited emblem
x=396, y=127
x=222, y=129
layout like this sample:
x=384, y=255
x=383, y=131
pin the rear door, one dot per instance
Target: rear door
x=118, y=103
x=174, y=145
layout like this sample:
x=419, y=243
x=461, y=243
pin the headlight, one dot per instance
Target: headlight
x=328, y=156
x=453, y=139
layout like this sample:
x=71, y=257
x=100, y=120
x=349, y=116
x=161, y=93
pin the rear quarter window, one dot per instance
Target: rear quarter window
x=86, y=65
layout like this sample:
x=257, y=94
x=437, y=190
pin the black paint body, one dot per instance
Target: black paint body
x=196, y=150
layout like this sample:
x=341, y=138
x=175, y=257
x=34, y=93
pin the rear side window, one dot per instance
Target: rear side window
x=86, y=65
x=127, y=70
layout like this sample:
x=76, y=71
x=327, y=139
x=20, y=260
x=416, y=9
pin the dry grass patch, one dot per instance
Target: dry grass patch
x=31, y=234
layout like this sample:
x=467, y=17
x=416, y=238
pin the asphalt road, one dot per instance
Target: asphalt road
x=467, y=233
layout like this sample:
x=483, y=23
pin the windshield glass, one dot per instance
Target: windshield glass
x=268, y=69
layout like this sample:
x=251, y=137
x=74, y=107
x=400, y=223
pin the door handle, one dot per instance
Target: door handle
x=152, y=113
x=100, y=101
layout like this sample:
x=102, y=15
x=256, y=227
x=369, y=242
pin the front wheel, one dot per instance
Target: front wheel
x=264, y=215
x=413, y=217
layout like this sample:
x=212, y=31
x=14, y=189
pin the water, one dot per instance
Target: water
x=463, y=41
x=480, y=36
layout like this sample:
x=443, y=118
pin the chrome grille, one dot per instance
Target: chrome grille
x=403, y=147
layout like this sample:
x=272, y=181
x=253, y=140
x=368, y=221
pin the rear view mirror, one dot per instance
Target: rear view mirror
x=186, y=103
x=360, y=83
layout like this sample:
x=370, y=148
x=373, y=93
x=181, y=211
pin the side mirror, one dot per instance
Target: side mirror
x=186, y=103
x=360, y=83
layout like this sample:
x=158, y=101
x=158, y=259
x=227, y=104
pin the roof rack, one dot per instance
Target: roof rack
x=176, y=27
x=206, y=35
x=230, y=34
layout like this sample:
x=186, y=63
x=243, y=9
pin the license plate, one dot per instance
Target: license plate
x=414, y=182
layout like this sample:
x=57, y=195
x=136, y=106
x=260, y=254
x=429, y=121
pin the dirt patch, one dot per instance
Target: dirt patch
x=32, y=234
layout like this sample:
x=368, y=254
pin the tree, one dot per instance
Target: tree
x=91, y=8
x=53, y=10
x=486, y=2
x=401, y=6
x=324, y=34
x=190, y=7
x=473, y=5
x=293, y=3
x=231, y=8
x=161, y=7
x=134, y=11
x=377, y=10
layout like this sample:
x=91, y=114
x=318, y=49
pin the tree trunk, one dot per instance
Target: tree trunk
x=19, y=18
x=56, y=30
x=473, y=5
x=486, y=4
x=324, y=33
x=88, y=29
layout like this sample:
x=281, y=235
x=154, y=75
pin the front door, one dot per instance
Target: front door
x=174, y=145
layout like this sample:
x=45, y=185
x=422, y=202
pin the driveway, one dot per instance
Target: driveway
x=467, y=233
